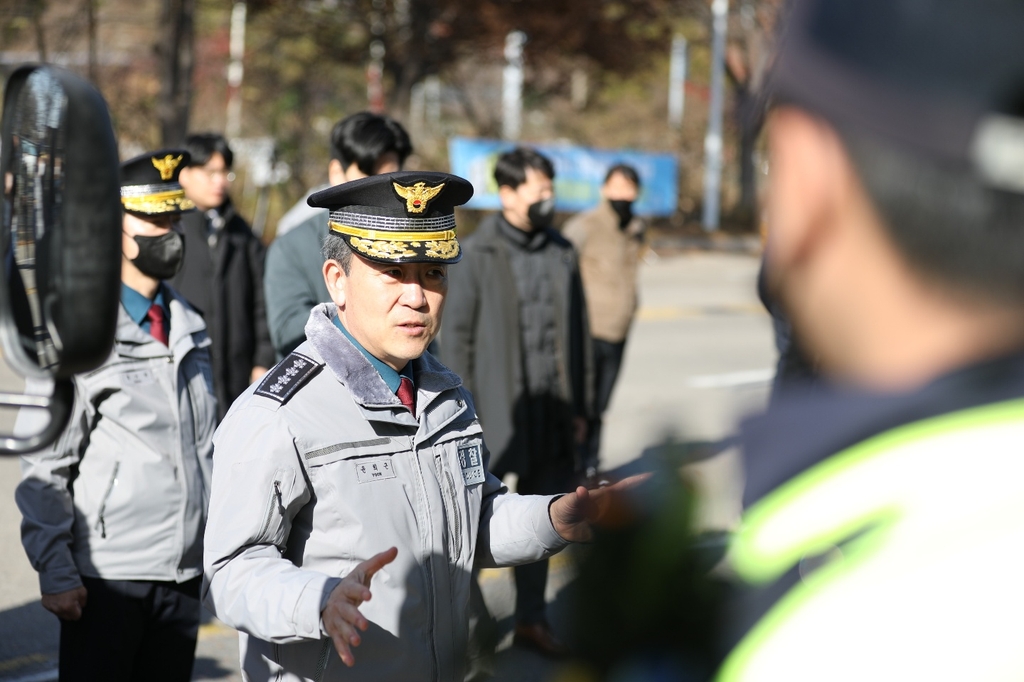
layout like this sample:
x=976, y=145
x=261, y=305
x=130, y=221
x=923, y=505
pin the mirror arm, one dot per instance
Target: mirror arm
x=59, y=408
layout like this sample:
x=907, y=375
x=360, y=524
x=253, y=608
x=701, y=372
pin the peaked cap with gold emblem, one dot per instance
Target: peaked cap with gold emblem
x=149, y=183
x=404, y=217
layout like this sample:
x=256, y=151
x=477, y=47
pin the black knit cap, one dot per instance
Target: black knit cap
x=942, y=79
x=149, y=183
x=404, y=217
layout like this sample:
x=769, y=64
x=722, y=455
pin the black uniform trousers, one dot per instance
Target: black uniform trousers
x=132, y=630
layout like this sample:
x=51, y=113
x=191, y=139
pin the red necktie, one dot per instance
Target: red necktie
x=407, y=394
x=157, y=328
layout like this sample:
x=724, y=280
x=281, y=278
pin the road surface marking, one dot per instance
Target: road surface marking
x=750, y=377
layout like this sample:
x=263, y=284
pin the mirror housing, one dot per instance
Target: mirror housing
x=60, y=243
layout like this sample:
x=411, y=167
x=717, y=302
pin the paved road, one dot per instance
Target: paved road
x=698, y=359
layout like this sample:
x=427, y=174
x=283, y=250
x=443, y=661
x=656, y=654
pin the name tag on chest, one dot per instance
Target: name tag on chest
x=137, y=377
x=374, y=469
x=472, y=462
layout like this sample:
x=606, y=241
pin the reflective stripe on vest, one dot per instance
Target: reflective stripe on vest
x=922, y=530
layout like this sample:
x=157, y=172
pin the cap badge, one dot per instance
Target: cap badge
x=166, y=166
x=417, y=196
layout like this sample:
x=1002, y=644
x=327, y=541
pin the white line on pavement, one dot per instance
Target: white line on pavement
x=732, y=379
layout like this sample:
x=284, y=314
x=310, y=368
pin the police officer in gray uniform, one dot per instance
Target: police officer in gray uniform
x=113, y=512
x=360, y=441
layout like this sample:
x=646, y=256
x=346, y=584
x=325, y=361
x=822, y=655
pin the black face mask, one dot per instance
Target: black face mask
x=624, y=209
x=541, y=213
x=160, y=257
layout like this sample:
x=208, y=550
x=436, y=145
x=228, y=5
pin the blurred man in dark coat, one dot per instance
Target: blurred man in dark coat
x=222, y=274
x=516, y=331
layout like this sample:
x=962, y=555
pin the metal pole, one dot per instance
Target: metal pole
x=236, y=70
x=375, y=78
x=713, y=139
x=677, y=82
x=512, y=86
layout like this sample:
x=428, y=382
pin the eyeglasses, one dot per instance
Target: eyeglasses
x=219, y=173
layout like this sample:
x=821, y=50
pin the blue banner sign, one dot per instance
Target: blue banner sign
x=579, y=174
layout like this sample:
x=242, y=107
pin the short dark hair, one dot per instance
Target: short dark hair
x=202, y=147
x=510, y=169
x=334, y=247
x=950, y=226
x=626, y=171
x=363, y=138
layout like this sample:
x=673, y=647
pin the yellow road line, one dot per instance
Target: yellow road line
x=216, y=628
x=10, y=664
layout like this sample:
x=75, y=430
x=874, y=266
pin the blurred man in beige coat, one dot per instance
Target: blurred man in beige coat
x=609, y=239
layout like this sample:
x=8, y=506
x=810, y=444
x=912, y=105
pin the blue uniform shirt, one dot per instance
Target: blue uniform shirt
x=138, y=305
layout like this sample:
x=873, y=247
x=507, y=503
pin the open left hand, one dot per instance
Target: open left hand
x=573, y=514
x=341, y=616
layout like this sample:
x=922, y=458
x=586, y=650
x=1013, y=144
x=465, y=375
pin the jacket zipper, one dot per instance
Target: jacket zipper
x=456, y=533
x=101, y=523
x=431, y=606
x=276, y=495
x=178, y=454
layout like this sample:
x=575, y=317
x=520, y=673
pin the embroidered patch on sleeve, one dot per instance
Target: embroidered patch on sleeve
x=472, y=462
x=287, y=377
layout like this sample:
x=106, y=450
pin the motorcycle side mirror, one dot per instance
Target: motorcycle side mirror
x=60, y=243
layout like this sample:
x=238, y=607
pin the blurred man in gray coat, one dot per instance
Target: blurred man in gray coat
x=362, y=144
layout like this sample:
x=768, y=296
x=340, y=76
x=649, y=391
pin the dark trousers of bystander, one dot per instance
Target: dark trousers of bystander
x=132, y=630
x=532, y=579
x=607, y=362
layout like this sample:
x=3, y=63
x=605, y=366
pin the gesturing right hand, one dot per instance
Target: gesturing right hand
x=341, y=616
x=66, y=605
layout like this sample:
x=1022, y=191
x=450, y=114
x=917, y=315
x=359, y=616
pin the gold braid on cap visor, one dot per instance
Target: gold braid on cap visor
x=137, y=198
x=395, y=243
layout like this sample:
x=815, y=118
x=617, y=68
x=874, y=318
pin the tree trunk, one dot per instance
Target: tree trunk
x=176, y=52
x=37, y=23
x=90, y=15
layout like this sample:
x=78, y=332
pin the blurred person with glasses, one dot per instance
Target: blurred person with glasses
x=222, y=273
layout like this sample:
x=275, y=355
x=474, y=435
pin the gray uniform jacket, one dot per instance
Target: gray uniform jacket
x=320, y=468
x=122, y=494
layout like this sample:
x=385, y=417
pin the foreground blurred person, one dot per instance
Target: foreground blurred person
x=883, y=537
x=897, y=246
x=113, y=512
x=357, y=467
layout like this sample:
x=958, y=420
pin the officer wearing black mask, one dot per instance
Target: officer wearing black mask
x=114, y=511
x=515, y=330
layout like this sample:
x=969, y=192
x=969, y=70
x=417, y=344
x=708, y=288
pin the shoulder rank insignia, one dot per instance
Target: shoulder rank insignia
x=418, y=196
x=166, y=166
x=287, y=377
